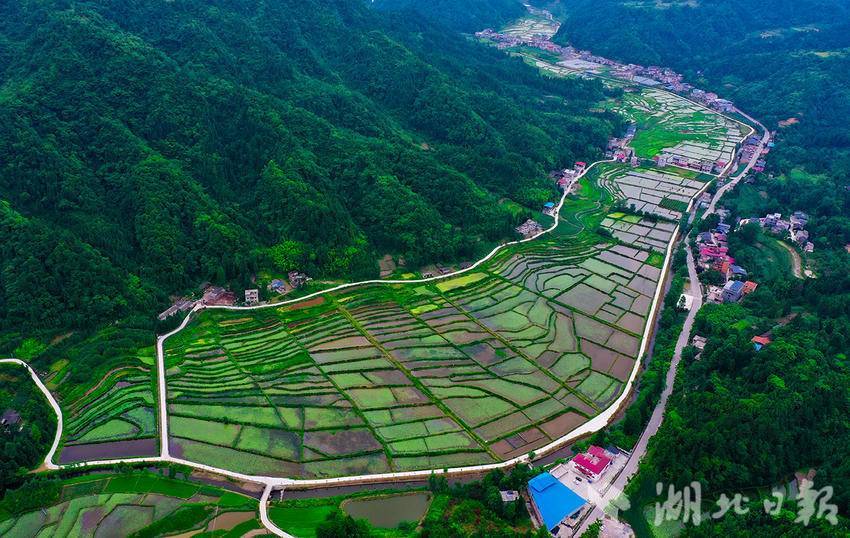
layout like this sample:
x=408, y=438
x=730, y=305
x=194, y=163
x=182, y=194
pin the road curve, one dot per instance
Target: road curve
x=271, y=483
x=695, y=290
x=48, y=460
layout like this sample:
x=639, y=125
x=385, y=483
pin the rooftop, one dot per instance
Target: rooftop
x=10, y=416
x=595, y=460
x=734, y=285
x=553, y=500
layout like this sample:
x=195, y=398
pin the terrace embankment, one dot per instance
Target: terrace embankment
x=462, y=371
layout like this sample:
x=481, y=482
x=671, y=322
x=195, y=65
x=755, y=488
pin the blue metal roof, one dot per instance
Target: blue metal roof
x=553, y=500
x=735, y=285
x=549, y=204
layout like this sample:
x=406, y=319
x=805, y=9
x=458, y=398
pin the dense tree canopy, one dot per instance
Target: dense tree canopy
x=741, y=418
x=151, y=146
x=463, y=15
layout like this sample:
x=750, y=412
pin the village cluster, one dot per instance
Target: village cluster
x=582, y=60
x=713, y=255
x=749, y=149
x=558, y=499
x=219, y=296
x=794, y=228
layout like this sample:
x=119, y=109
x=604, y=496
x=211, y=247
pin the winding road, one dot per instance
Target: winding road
x=695, y=290
x=271, y=483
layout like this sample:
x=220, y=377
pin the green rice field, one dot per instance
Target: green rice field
x=141, y=504
x=471, y=369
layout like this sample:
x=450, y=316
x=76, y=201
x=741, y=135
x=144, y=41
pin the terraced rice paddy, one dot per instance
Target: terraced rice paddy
x=474, y=369
x=673, y=125
x=640, y=232
x=665, y=193
x=538, y=23
x=112, y=414
x=96, y=506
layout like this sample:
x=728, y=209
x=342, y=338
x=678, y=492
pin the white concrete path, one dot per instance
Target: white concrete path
x=596, y=423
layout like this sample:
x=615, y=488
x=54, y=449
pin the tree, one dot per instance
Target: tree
x=341, y=525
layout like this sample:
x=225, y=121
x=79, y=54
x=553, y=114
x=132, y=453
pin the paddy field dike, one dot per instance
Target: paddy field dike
x=470, y=369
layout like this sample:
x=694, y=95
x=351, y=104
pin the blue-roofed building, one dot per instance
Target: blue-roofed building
x=723, y=228
x=549, y=205
x=732, y=291
x=553, y=502
x=737, y=271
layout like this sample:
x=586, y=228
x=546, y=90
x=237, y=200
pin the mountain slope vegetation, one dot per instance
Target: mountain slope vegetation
x=739, y=418
x=786, y=62
x=462, y=15
x=150, y=146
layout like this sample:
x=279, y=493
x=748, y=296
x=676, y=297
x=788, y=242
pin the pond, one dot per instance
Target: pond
x=389, y=511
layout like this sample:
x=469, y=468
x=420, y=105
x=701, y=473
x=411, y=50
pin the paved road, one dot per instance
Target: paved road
x=735, y=180
x=639, y=451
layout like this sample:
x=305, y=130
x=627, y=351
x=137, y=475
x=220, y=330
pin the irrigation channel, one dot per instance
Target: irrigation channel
x=273, y=483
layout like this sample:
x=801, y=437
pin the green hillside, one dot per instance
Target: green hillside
x=463, y=15
x=150, y=147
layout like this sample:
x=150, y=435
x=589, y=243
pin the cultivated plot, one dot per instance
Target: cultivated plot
x=108, y=412
x=662, y=192
x=479, y=368
x=639, y=231
x=687, y=133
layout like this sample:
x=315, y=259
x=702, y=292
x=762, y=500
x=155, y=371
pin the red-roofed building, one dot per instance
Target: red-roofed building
x=761, y=341
x=749, y=287
x=593, y=463
x=580, y=166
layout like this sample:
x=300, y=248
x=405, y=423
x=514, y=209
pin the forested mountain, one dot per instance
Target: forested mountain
x=462, y=15
x=742, y=419
x=148, y=146
x=781, y=60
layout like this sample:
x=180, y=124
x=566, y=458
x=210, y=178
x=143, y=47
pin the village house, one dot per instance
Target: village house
x=180, y=305
x=736, y=272
x=799, y=220
x=549, y=208
x=10, y=421
x=509, y=496
x=252, y=296
x=529, y=228
x=732, y=291
x=723, y=105
x=698, y=342
x=714, y=294
x=593, y=463
x=801, y=237
x=278, y=286
x=218, y=296
x=761, y=341
x=297, y=279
